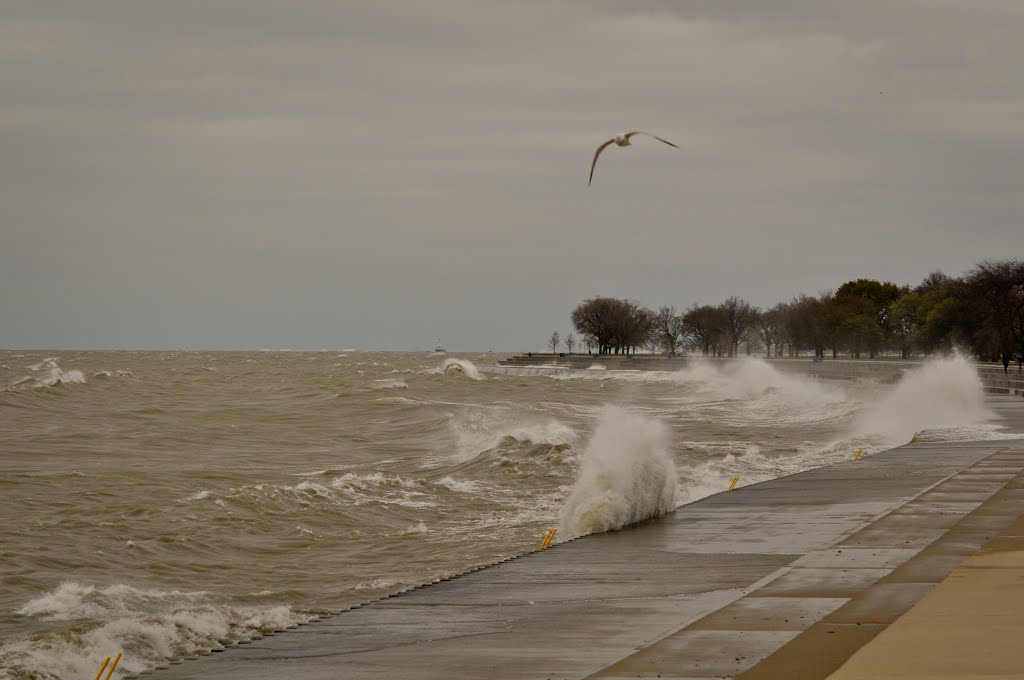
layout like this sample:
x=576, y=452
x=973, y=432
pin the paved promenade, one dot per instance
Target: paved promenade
x=784, y=579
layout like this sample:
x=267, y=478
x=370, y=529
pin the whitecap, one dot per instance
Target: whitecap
x=390, y=384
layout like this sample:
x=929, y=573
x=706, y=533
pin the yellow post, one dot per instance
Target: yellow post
x=859, y=451
x=733, y=484
x=113, y=666
x=914, y=438
x=100, y=671
x=550, y=536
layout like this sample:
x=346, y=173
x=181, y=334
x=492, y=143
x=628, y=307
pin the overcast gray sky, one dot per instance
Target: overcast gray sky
x=325, y=174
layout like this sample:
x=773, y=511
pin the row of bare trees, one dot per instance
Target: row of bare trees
x=981, y=312
x=611, y=325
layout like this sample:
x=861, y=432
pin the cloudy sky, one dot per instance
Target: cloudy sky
x=331, y=174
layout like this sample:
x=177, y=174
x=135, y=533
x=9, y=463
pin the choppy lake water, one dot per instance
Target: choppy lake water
x=161, y=503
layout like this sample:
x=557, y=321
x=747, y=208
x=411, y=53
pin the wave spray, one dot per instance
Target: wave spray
x=626, y=474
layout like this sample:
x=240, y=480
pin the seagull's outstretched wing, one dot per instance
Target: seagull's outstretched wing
x=593, y=163
x=641, y=132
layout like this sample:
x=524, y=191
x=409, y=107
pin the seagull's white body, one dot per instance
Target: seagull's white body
x=621, y=140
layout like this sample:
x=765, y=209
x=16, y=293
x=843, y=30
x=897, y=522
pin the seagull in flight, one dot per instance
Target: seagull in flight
x=621, y=140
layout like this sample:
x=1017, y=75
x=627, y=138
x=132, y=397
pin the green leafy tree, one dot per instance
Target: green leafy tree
x=995, y=309
x=862, y=314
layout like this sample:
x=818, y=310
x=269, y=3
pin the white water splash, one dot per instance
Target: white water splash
x=54, y=375
x=942, y=393
x=626, y=475
x=460, y=367
x=390, y=384
x=151, y=626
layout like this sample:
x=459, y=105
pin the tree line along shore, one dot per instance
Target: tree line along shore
x=981, y=312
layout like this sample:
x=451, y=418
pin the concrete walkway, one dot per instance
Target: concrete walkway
x=970, y=626
x=783, y=579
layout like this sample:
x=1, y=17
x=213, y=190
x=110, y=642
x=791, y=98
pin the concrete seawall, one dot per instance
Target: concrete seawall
x=888, y=371
x=783, y=579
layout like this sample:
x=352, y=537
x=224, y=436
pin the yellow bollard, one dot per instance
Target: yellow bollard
x=914, y=438
x=113, y=666
x=550, y=536
x=859, y=451
x=734, y=481
x=100, y=671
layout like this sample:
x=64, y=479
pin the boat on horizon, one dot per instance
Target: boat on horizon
x=439, y=348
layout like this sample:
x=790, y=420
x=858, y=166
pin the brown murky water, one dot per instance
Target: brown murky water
x=159, y=502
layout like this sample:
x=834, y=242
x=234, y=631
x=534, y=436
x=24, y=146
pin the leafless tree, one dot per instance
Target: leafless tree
x=702, y=325
x=553, y=341
x=615, y=325
x=631, y=326
x=769, y=328
x=738, y=316
x=592, y=318
x=570, y=341
x=668, y=327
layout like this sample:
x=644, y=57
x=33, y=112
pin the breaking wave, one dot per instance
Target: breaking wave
x=626, y=475
x=150, y=626
x=344, y=490
x=746, y=378
x=390, y=384
x=456, y=367
x=461, y=366
x=53, y=375
x=479, y=431
x=112, y=374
